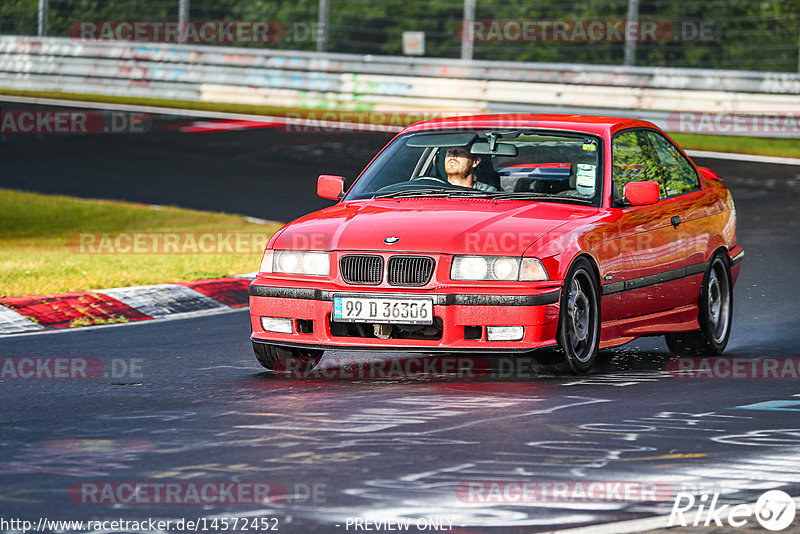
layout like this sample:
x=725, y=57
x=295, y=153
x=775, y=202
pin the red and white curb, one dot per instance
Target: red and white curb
x=34, y=313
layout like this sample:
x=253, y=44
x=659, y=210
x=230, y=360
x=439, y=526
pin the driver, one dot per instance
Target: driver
x=460, y=165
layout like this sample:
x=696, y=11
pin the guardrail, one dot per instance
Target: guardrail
x=381, y=83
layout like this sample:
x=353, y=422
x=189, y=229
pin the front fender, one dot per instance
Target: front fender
x=558, y=249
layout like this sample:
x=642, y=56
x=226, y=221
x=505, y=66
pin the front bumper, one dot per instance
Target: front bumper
x=459, y=313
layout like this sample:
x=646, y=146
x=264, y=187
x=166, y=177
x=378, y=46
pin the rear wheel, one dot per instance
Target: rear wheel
x=579, y=321
x=715, y=314
x=283, y=360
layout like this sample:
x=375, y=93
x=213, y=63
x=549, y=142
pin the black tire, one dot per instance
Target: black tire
x=715, y=314
x=280, y=359
x=578, y=334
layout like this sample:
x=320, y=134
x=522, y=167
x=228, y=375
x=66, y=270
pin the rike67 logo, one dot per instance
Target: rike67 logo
x=774, y=510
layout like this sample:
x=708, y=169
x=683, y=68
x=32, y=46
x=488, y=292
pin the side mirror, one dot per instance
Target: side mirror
x=329, y=186
x=642, y=193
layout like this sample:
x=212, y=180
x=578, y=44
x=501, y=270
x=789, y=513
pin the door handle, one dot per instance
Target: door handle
x=675, y=220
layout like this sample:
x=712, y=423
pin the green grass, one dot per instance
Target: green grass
x=763, y=146
x=40, y=244
x=719, y=143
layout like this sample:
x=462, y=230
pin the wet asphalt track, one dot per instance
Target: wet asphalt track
x=199, y=409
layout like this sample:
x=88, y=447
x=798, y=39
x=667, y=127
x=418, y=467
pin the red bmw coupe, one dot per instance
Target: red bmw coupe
x=506, y=233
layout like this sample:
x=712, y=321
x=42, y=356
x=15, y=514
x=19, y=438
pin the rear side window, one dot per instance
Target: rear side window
x=679, y=175
x=633, y=161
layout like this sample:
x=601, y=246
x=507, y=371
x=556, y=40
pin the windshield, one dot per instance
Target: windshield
x=526, y=165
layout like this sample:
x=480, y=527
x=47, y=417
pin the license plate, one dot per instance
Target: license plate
x=382, y=310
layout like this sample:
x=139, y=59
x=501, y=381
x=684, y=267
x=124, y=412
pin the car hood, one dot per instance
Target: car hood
x=451, y=226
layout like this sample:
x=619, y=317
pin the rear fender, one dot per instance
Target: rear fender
x=709, y=174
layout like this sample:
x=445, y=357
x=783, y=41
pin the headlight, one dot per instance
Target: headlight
x=484, y=268
x=469, y=268
x=296, y=262
x=266, y=261
x=505, y=268
x=316, y=263
x=288, y=261
x=532, y=270
x=497, y=268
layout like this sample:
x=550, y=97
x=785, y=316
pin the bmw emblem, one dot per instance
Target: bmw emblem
x=391, y=240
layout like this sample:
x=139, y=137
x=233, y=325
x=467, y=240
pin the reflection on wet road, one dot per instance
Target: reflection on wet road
x=203, y=433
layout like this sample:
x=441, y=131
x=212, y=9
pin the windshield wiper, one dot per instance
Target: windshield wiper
x=438, y=192
x=470, y=193
x=536, y=196
x=422, y=192
x=499, y=195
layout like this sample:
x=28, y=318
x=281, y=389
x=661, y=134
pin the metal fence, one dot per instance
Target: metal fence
x=385, y=85
x=712, y=34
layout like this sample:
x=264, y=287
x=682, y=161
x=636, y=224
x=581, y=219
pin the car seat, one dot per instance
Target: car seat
x=548, y=181
x=485, y=173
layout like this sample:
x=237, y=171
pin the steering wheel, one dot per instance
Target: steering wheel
x=420, y=182
x=430, y=180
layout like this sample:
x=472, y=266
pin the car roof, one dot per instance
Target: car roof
x=582, y=123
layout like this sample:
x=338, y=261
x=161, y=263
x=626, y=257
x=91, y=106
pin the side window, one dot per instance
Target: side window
x=679, y=175
x=633, y=161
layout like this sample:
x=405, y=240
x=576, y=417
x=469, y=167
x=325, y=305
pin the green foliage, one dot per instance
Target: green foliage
x=19, y=17
x=633, y=161
x=719, y=34
x=678, y=175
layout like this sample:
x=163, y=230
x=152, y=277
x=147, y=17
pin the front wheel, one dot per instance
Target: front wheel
x=715, y=314
x=579, y=321
x=286, y=360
